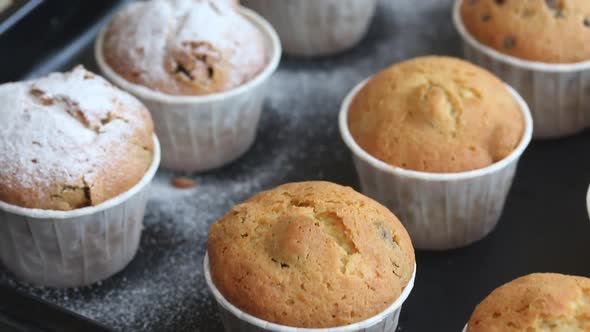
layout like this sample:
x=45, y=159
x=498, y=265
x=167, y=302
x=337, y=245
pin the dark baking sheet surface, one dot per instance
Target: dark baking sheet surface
x=14, y=11
x=544, y=227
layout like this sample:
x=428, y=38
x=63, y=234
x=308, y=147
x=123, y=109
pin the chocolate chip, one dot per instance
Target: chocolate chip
x=553, y=4
x=587, y=22
x=486, y=17
x=509, y=42
x=528, y=12
x=500, y=2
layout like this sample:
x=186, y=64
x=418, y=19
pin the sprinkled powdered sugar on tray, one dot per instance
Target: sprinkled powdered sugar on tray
x=163, y=289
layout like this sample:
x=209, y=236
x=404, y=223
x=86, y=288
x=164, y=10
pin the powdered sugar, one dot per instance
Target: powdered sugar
x=57, y=130
x=151, y=38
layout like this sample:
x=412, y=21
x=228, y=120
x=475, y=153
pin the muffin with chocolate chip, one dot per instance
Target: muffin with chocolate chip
x=541, y=48
x=436, y=114
x=539, y=302
x=310, y=254
x=552, y=31
x=184, y=47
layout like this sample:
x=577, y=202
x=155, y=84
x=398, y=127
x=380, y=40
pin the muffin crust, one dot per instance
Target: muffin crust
x=553, y=31
x=184, y=47
x=541, y=302
x=310, y=254
x=436, y=114
x=70, y=140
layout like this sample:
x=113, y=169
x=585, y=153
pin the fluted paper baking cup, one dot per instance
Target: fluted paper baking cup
x=558, y=94
x=439, y=210
x=465, y=328
x=314, y=28
x=236, y=320
x=78, y=247
x=200, y=133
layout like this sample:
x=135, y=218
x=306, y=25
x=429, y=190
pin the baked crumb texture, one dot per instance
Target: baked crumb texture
x=554, y=31
x=436, y=114
x=310, y=254
x=184, y=47
x=541, y=302
x=70, y=140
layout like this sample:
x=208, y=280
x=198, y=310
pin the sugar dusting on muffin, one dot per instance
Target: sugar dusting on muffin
x=310, y=254
x=70, y=140
x=184, y=47
x=436, y=114
x=553, y=31
x=540, y=302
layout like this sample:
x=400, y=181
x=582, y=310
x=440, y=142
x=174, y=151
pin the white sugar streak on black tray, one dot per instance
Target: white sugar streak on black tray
x=163, y=289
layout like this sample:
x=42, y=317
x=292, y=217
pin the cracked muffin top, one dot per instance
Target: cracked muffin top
x=70, y=140
x=540, y=302
x=436, y=114
x=310, y=254
x=184, y=47
x=554, y=31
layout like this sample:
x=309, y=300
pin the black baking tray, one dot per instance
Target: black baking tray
x=544, y=227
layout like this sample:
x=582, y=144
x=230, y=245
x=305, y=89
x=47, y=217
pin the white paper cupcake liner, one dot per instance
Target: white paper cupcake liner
x=465, y=328
x=558, y=94
x=200, y=133
x=235, y=320
x=317, y=27
x=78, y=247
x=440, y=210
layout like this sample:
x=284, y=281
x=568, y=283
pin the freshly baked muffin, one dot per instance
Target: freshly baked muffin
x=70, y=140
x=310, y=254
x=436, y=114
x=540, y=302
x=184, y=47
x=554, y=31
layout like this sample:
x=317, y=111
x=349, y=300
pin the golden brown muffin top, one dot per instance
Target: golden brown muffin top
x=555, y=31
x=70, y=140
x=310, y=254
x=436, y=114
x=540, y=302
x=184, y=47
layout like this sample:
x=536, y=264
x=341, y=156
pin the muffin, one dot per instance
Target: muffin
x=184, y=47
x=322, y=254
x=317, y=27
x=552, y=31
x=71, y=140
x=436, y=114
x=541, y=48
x=534, y=303
x=437, y=140
x=76, y=155
x=201, y=67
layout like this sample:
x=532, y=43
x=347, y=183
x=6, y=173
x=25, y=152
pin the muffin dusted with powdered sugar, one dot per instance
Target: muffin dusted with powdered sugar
x=70, y=140
x=184, y=47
